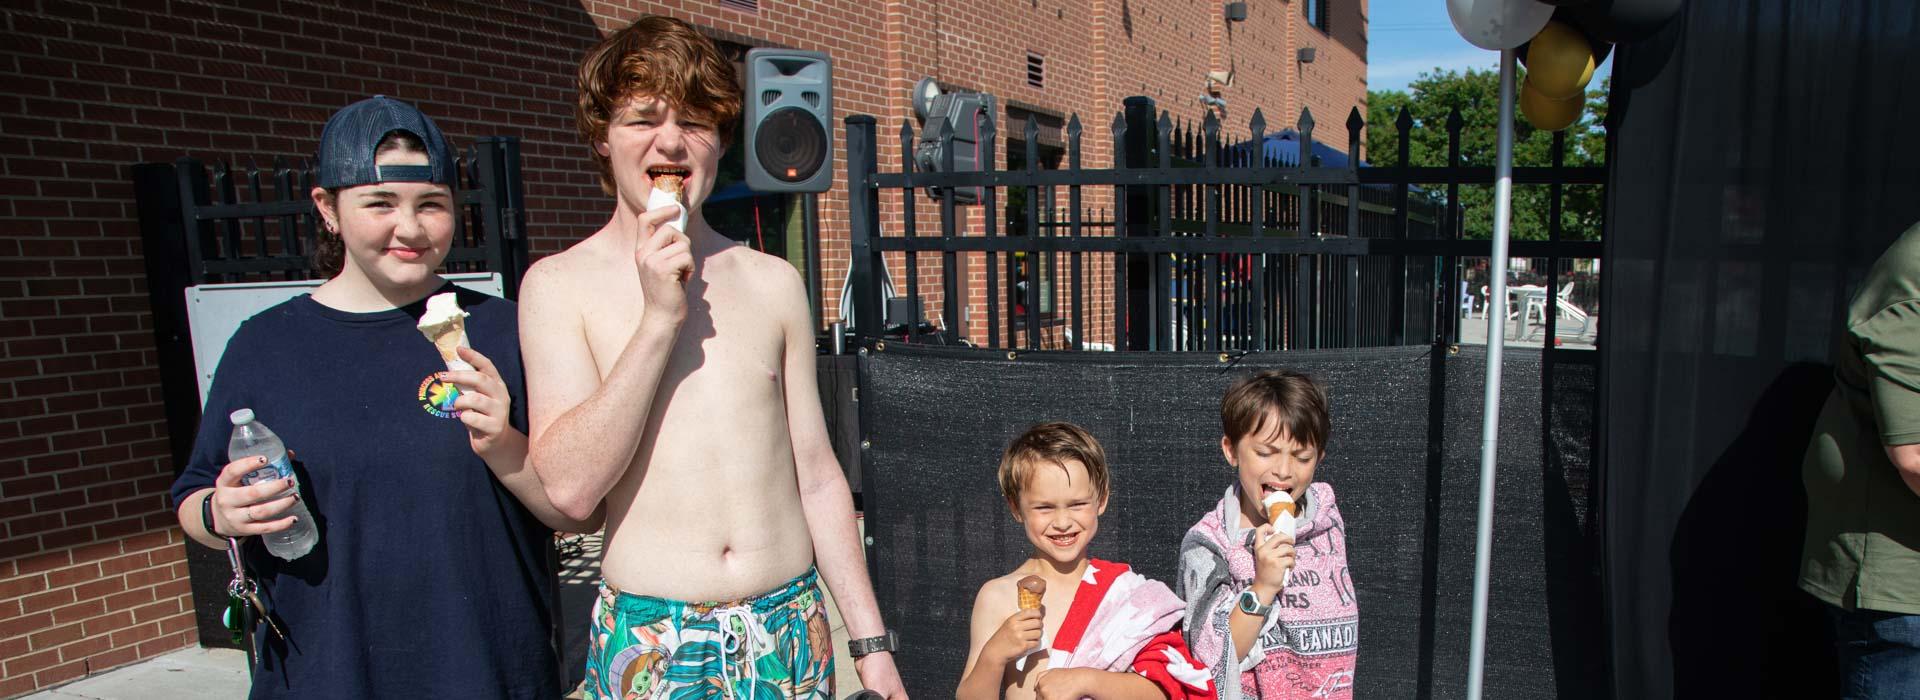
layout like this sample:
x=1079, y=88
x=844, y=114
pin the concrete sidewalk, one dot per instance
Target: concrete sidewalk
x=222, y=673
x=187, y=673
x=1572, y=334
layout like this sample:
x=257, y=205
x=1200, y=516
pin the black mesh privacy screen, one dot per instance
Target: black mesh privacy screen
x=1403, y=459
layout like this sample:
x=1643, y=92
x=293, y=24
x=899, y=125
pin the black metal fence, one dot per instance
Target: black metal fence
x=225, y=224
x=1215, y=243
x=1219, y=244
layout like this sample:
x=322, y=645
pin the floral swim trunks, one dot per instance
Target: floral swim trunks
x=772, y=646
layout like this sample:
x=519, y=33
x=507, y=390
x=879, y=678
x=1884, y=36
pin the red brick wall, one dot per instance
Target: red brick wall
x=1336, y=82
x=92, y=570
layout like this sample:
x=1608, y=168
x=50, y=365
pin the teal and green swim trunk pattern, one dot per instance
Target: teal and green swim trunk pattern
x=769, y=647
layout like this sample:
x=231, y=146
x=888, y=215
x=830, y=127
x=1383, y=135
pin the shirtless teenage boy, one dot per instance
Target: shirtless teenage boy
x=671, y=381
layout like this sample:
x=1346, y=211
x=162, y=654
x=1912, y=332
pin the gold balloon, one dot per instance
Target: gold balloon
x=1546, y=113
x=1559, y=61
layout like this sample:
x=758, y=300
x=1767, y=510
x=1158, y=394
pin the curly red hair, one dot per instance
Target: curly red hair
x=660, y=57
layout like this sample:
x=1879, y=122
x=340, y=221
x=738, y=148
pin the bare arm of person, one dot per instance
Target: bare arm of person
x=1076, y=683
x=825, y=500
x=1272, y=557
x=238, y=510
x=584, y=432
x=1906, y=460
x=484, y=406
x=994, y=641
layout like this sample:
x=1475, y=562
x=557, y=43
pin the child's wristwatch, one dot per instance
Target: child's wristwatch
x=1250, y=604
x=888, y=642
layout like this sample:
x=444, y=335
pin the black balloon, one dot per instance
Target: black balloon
x=1566, y=16
x=1600, y=51
x=1618, y=21
x=1643, y=61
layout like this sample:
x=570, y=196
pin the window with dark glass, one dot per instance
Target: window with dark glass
x=1316, y=13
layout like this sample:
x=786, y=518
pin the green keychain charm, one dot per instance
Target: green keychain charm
x=231, y=618
x=240, y=593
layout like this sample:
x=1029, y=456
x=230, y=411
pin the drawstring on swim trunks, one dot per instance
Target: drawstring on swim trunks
x=755, y=641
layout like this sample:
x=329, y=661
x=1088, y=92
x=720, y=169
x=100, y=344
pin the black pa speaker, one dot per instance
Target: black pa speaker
x=789, y=120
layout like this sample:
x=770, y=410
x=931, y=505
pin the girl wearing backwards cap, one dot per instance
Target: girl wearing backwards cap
x=430, y=576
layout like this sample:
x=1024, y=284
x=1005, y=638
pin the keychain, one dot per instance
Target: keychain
x=242, y=591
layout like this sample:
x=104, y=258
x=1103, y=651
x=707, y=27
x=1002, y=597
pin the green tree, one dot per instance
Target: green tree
x=1429, y=101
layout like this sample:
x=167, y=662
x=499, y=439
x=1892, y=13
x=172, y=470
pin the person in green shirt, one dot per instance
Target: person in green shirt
x=1862, y=473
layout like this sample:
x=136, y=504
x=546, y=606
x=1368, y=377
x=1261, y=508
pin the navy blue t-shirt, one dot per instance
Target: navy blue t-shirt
x=430, y=578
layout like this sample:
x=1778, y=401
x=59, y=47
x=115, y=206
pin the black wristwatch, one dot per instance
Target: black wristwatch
x=206, y=515
x=888, y=642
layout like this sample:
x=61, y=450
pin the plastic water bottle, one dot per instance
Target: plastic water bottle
x=252, y=438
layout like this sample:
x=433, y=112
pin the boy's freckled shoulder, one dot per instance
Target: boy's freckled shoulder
x=549, y=266
x=547, y=277
x=762, y=277
x=764, y=269
x=592, y=255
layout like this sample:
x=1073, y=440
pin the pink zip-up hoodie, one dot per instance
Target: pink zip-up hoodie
x=1307, y=646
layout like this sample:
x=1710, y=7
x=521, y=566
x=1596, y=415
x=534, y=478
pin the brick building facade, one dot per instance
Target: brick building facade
x=92, y=568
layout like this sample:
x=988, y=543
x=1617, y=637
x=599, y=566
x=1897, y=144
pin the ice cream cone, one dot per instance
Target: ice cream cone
x=1032, y=589
x=669, y=190
x=1281, y=511
x=446, y=326
x=670, y=184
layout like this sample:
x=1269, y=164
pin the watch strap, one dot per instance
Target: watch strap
x=206, y=514
x=889, y=642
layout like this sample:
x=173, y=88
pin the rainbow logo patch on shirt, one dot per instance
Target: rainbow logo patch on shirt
x=437, y=396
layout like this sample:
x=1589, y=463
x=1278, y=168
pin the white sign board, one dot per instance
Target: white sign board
x=214, y=312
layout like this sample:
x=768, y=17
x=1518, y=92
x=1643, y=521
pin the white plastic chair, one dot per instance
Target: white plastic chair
x=1536, y=307
x=1536, y=303
x=1570, y=309
x=1524, y=303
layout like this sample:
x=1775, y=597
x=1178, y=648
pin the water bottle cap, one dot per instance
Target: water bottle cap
x=241, y=417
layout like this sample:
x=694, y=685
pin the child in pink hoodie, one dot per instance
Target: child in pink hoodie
x=1274, y=616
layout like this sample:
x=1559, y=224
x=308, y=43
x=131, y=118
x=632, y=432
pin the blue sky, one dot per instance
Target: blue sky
x=1408, y=37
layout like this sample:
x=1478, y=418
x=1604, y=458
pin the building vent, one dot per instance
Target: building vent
x=742, y=5
x=1036, y=70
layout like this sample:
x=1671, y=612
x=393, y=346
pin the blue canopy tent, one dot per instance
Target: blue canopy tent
x=733, y=191
x=1284, y=147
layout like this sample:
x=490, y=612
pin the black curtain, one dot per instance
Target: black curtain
x=1762, y=160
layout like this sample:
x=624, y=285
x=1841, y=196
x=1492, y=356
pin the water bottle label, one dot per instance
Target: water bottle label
x=279, y=469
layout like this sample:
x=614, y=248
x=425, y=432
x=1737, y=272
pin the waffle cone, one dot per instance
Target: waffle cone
x=670, y=184
x=1031, y=588
x=448, y=337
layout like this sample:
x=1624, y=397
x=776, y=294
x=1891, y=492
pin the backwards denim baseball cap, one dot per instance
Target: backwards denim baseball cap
x=352, y=135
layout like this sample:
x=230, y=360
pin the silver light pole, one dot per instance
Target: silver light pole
x=1496, y=344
